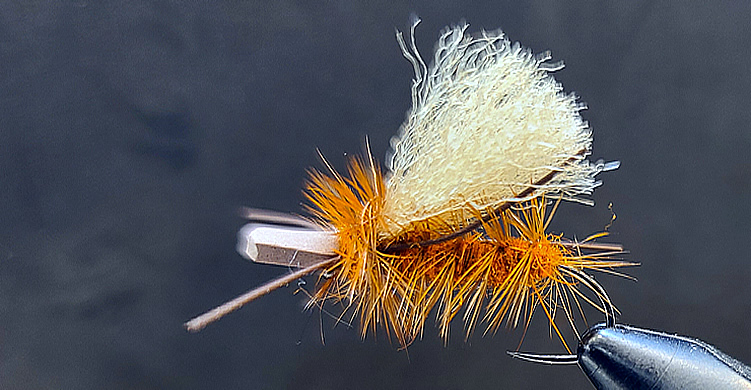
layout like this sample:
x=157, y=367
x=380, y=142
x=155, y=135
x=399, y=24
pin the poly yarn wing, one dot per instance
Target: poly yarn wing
x=488, y=120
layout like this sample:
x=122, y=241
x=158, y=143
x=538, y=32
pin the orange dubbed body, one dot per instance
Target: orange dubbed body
x=502, y=271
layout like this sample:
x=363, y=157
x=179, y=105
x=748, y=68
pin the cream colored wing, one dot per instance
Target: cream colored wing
x=487, y=120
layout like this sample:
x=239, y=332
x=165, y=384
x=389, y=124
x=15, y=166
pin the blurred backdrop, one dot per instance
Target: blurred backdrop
x=130, y=132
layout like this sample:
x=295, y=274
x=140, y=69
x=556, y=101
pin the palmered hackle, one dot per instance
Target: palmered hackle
x=495, y=274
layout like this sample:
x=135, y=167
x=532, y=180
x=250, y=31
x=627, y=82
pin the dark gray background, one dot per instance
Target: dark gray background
x=131, y=131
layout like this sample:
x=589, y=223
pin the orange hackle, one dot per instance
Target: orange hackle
x=505, y=269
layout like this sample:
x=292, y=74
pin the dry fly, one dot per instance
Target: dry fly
x=457, y=223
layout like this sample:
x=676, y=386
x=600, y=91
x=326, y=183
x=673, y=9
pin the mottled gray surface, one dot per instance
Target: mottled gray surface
x=130, y=132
